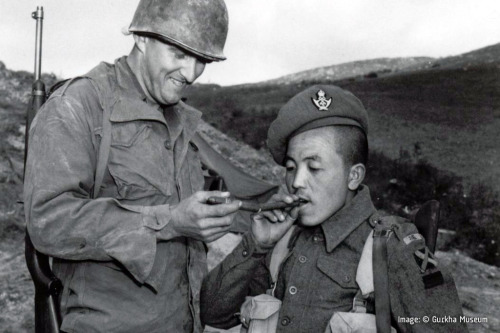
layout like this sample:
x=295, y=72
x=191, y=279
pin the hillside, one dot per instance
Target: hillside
x=451, y=111
x=352, y=69
x=483, y=56
x=388, y=66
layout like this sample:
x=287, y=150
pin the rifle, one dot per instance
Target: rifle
x=47, y=285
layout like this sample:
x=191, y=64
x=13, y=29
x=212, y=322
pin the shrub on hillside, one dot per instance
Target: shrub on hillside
x=402, y=185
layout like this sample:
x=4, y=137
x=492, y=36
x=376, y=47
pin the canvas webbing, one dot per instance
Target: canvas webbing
x=381, y=280
x=105, y=145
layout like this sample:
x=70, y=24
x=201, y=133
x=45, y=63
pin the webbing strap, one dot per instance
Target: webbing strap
x=381, y=281
x=105, y=145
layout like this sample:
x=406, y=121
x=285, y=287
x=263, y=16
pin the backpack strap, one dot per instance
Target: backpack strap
x=105, y=145
x=381, y=235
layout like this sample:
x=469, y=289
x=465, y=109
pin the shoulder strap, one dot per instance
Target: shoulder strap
x=279, y=253
x=364, y=273
x=105, y=145
x=381, y=235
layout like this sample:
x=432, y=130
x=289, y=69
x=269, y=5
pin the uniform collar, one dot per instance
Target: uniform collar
x=131, y=103
x=127, y=81
x=339, y=226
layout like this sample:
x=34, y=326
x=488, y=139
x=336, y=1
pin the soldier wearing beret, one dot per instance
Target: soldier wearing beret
x=320, y=136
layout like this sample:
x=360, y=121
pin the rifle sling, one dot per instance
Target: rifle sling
x=105, y=145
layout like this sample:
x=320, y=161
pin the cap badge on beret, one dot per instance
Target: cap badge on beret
x=322, y=103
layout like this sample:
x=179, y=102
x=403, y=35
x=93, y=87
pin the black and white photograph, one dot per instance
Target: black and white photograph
x=250, y=166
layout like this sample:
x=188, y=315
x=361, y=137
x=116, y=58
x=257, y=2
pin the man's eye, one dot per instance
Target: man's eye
x=314, y=167
x=180, y=56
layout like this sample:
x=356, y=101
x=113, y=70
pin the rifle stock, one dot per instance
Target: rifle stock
x=47, y=286
x=47, y=290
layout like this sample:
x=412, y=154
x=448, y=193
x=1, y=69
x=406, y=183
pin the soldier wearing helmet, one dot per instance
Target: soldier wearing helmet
x=130, y=253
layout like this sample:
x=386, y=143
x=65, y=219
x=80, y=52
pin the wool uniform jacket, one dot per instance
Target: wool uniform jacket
x=318, y=276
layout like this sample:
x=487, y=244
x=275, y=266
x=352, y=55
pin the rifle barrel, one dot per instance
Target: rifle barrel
x=38, y=87
x=38, y=16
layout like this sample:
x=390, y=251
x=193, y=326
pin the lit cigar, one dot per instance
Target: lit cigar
x=255, y=207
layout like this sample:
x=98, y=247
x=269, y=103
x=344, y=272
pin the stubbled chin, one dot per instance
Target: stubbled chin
x=307, y=216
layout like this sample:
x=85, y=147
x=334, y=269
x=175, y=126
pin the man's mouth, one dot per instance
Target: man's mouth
x=178, y=82
x=303, y=201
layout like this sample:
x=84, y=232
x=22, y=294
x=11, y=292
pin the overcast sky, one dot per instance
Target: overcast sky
x=267, y=38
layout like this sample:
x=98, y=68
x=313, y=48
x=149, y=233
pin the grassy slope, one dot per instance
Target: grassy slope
x=451, y=115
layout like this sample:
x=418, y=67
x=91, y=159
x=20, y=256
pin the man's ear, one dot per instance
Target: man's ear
x=140, y=42
x=356, y=176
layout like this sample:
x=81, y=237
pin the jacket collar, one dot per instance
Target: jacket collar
x=132, y=104
x=339, y=226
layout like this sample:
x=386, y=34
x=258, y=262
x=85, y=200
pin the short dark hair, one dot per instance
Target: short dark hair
x=352, y=144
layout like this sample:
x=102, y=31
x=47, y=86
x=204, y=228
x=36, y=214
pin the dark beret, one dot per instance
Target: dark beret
x=317, y=106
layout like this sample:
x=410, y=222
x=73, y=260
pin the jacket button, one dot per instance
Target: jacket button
x=285, y=321
x=167, y=144
x=302, y=259
x=318, y=238
x=347, y=278
x=244, y=253
x=293, y=290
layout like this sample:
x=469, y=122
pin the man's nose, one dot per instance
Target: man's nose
x=192, y=69
x=299, y=179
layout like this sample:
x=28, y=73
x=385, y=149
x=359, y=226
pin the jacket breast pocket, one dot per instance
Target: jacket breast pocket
x=337, y=281
x=137, y=161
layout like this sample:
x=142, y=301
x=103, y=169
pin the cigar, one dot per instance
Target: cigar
x=255, y=207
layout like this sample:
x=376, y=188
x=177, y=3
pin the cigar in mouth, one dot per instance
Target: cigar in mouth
x=255, y=207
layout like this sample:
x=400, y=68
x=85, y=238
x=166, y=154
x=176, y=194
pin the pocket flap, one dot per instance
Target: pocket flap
x=343, y=273
x=347, y=322
x=260, y=307
x=352, y=322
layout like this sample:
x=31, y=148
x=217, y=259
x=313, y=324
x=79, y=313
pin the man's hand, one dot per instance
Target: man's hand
x=268, y=227
x=193, y=218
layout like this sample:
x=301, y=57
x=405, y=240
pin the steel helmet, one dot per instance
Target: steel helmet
x=198, y=26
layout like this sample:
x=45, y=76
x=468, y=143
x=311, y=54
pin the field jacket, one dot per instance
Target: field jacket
x=318, y=277
x=116, y=277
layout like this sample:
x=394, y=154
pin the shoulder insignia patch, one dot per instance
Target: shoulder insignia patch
x=411, y=238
